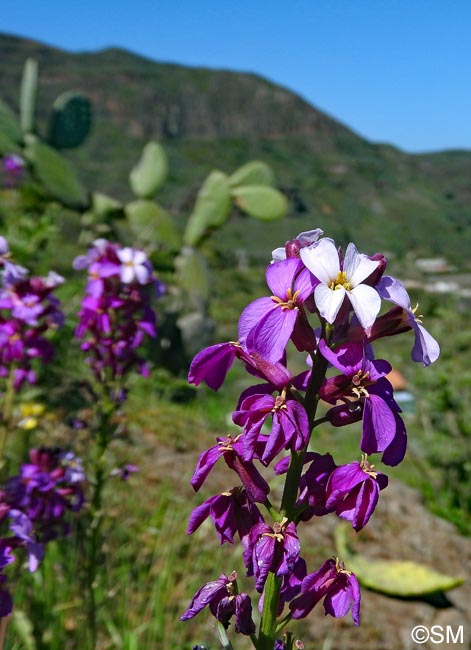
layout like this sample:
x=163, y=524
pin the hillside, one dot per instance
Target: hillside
x=375, y=194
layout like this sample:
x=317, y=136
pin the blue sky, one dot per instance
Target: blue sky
x=395, y=71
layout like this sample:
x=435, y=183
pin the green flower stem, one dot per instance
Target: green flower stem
x=104, y=433
x=267, y=636
x=268, y=623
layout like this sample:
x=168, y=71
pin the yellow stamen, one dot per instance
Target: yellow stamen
x=341, y=282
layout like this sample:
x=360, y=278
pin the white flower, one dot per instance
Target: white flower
x=322, y=259
x=133, y=265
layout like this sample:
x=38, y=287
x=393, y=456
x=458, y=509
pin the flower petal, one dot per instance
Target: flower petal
x=366, y=304
x=328, y=301
x=322, y=259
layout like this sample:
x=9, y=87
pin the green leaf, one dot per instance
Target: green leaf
x=254, y=172
x=151, y=171
x=261, y=202
x=212, y=208
x=56, y=173
x=404, y=579
x=151, y=224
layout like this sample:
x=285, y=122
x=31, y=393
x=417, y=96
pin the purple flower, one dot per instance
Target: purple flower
x=333, y=582
x=338, y=281
x=224, y=601
x=13, y=167
x=312, y=486
x=22, y=527
x=232, y=512
x=231, y=450
x=290, y=426
x=363, y=380
x=6, y=602
x=354, y=491
x=125, y=471
x=271, y=549
x=267, y=324
x=28, y=308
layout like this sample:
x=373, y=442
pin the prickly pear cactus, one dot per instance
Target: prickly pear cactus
x=150, y=173
x=10, y=132
x=55, y=173
x=29, y=87
x=260, y=201
x=70, y=121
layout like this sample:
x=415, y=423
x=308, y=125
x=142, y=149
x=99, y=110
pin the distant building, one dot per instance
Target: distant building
x=433, y=265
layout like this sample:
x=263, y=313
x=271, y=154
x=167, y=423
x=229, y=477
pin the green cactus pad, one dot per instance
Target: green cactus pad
x=193, y=276
x=150, y=173
x=151, y=224
x=10, y=132
x=29, y=86
x=403, y=579
x=212, y=208
x=70, y=121
x=103, y=205
x=55, y=173
x=254, y=172
x=260, y=201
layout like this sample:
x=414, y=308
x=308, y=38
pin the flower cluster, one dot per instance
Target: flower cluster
x=116, y=313
x=310, y=278
x=28, y=309
x=13, y=168
x=35, y=507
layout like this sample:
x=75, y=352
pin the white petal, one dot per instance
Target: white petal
x=278, y=254
x=125, y=254
x=126, y=274
x=139, y=257
x=322, y=259
x=142, y=274
x=328, y=301
x=366, y=304
x=357, y=266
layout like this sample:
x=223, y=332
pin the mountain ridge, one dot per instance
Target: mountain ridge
x=355, y=189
